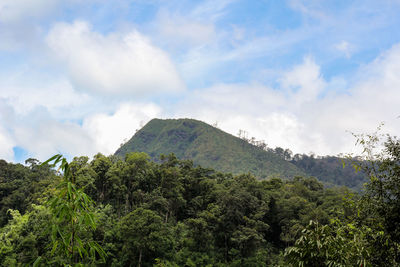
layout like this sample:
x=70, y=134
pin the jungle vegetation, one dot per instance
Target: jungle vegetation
x=132, y=211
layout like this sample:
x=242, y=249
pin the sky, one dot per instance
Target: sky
x=80, y=77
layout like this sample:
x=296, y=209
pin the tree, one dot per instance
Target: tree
x=72, y=219
x=136, y=175
x=370, y=236
x=280, y=152
x=336, y=244
x=143, y=233
x=101, y=164
x=381, y=161
x=287, y=154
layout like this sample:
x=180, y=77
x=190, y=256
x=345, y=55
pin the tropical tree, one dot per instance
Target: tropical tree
x=144, y=236
x=334, y=244
x=72, y=221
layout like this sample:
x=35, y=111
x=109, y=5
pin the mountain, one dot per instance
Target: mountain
x=210, y=147
x=207, y=146
x=330, y=170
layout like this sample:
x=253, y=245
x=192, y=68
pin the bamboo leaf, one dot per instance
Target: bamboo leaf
x=37, y=261
x=53, y=158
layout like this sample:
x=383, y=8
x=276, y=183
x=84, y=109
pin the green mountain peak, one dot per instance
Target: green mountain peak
x=207, y=146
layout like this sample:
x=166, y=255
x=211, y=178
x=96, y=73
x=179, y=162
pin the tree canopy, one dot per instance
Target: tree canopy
x=173, y=213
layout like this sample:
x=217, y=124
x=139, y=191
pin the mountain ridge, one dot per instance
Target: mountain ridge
x=207, y=146
x=211, y=147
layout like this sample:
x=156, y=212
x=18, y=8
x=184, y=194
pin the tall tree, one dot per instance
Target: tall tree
x=72, y=219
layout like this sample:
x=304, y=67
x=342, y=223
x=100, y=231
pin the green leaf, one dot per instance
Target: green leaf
x=37, y=261
x=55, y=158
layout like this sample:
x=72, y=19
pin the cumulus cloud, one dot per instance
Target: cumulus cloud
x=297, y=116
x=109, y=131
x=304, y=81
x=230, y=98
x=6, y=146
x=25, y=93
x=6, y=140
x=300, y=113
x=43, y=137
x=50, y=117
x=118, y=63
x=261, y=111
x=373, y=97
x=40, y=135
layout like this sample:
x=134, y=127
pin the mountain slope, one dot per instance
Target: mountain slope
x=206, y=146
x=330, y=171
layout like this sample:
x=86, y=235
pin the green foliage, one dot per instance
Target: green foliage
x=21, y=186
x=330, y=245
x=381, y=160
x=210, y=147
x=24, y=238
x=368, y=235
x=9, y=237
x=206, y=146
x=144, y=236
x=72, y=220
x=332, y=170
x=173, y=213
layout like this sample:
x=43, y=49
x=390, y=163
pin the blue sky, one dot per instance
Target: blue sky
x=79, y=77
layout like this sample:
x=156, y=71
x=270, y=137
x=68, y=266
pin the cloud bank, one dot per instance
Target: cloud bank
x=304, y=113
x=80, y=77
x=113, y=64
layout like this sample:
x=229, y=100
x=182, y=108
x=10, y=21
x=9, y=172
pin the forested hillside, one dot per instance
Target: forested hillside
x=206, y=146
x=332, y=171
x=168, y=212
x=21, y=186
x=210, y=147
x=133, y=211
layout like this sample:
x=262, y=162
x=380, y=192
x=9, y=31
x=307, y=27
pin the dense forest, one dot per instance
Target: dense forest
x=110, y=211
x=210, y=147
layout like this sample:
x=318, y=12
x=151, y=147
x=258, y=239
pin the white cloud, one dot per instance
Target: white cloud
x=25, y=93
x=304, y=81
x=274, y=128
x=7, y=141
x=6, y=146
x=345, y=47
x=233, y=97
x=115, y=63
x=373, y=98
x=303, y=112
x=109, y=131
x=297, y=115
x=263, y=112
x=44, y=137
x=40, y=135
